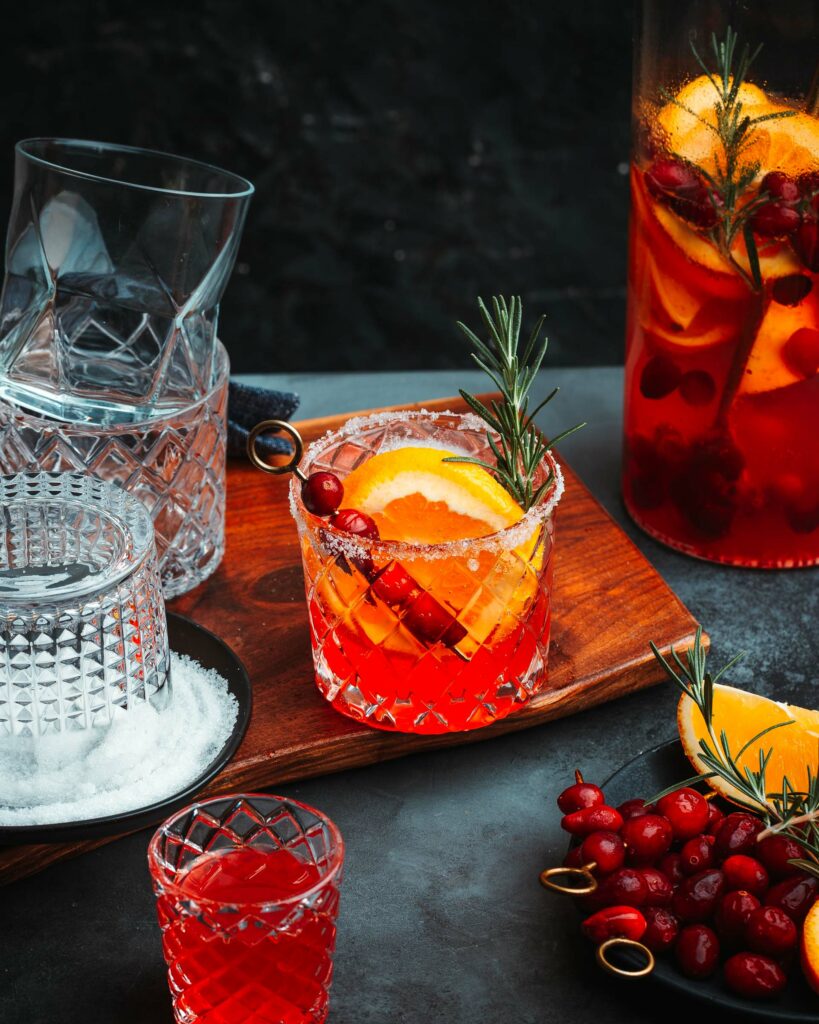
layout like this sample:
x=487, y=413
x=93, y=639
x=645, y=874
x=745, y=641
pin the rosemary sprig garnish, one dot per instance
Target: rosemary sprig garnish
x=737, y=133
x=792, y=812
x=519, y=448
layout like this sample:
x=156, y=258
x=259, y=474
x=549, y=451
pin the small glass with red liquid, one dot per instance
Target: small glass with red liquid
x=247, y=890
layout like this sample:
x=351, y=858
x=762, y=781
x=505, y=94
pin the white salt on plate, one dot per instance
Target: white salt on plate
x=146, y=756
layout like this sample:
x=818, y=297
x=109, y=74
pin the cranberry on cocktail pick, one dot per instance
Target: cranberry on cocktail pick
x=579, y=795
x=352, y=521
x=322, y=493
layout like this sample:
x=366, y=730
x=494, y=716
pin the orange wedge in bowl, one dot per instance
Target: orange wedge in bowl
x=810, y=947
x=743, y=715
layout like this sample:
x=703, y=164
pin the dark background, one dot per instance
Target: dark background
x=407, y=156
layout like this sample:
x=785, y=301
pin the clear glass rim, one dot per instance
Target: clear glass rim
x=27, y=149
x=168, y=883
x=509, y=537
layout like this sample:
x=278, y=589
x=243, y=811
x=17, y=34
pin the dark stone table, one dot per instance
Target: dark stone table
x=442, y=915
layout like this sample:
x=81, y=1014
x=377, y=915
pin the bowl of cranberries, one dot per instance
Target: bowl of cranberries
x=683, y=890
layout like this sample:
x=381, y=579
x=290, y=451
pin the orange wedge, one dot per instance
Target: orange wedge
x=767, y=367
x=810, y=947
x=743, y=715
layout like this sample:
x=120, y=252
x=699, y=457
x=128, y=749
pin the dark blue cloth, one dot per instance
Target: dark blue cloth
x=247, y=406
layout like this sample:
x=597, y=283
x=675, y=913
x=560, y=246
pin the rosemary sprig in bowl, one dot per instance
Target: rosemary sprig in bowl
x=517, y=444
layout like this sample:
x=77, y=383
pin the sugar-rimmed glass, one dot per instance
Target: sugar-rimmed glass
x=247, y=889
x=375, y=660
x=83, y=634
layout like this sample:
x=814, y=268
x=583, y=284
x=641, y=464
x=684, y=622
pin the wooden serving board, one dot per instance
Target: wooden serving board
x=608, y=602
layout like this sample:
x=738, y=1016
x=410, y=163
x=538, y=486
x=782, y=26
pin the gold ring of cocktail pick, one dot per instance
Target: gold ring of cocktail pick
x=551, y=879
x=276, y=427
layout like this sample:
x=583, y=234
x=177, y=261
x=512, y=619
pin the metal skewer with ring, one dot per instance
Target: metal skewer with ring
x=276, y=427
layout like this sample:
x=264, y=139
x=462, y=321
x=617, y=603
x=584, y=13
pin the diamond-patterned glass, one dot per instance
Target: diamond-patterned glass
x=260, y=960
x=83, y=634
x=426, y=638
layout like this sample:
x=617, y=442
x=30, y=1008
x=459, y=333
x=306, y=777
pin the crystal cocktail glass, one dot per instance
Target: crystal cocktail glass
x=247, y=890
x=425, y=637
x=722, y=391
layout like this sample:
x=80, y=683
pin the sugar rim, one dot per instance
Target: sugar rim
x=165, y=876
x=340, y=543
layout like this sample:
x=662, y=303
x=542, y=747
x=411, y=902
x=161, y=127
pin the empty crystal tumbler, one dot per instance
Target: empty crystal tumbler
x=83, y=634
x=116, y=260
x=174, y=464
x=247, y=891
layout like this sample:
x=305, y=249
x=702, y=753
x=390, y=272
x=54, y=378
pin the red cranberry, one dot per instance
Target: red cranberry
x=737, y=834
x=793, y=895
x=779, y=185
x=775, y=220
x=321, y=493
x=636, y=808
x=614, y=923
x=697, y=951
x=625, y=886
x=770, y=930
x=574, y=858
x=775, y=852
x=687, y=810
x=647, y=838
x=732, y=915
x=715, y=816
x=350, y=520
x=716, y=453
x=754, y=976
x=806, y=243
x=430, y=622
x=662, y=929
x=660, y=376
x=605, y=849
x=744, y=872
x=592, y=819
x=659, y=888
x=667, y=176
x=697, y=388
x=671, y=867
x=702, y=210
x=580, y=795
x=394, y=584
x=697, y=896
x=697, y=854
x=790, y=290
x=801, y=351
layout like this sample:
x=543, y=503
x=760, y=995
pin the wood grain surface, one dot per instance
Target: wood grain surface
x=608, y=602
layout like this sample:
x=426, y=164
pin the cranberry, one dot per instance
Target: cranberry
x=662, y=929
x=793, y=895
x=775, y=220
x=737, y=834
x=806, y=243
x=605, y=849
x=744, y=872
x=754, y=976
x=625, y=886
x=671, y=867
x=702, y=210
x=636, y=808
x=647, y=838
x=790, y=290
x=716, y=453
x=430, y=622
x=776, y=852
x=659, y=888
x=697, y=951
x=770, y=930
x=350, y=520
x=809, y=183
x=592, y=819
x=394, y=584
x=574, y=858
x=715, y=816
x=614, y=922
x=697, y=896
x=660, y=376
x=697, y=388
x=321, y=493
x=667, y=176
x=697, y=854
x=581, y=794
x=779, y=185
x=687, y=810
x=803, y=514
x=801, y=351
x=732, y=915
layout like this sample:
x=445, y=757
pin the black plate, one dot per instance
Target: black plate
x=186, y=637
x=648, y=773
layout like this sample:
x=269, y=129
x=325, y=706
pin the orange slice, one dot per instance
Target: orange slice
x=743, y=715
x=810, y=947
x=767, y=368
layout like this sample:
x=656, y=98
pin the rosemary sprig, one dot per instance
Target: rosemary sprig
x=790, y=811
x=516, y=443
x=737, y=132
